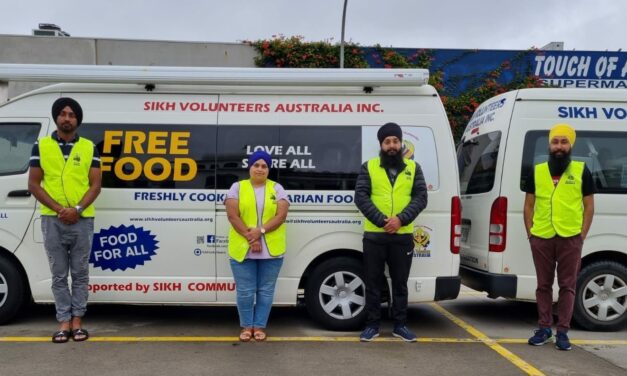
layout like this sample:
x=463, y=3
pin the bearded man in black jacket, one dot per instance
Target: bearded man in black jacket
x=390, y=192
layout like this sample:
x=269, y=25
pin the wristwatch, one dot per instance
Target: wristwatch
x=263, y=230
x=79, y=209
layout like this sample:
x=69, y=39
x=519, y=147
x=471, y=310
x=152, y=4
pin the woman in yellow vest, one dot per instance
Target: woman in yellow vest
x=256, y=209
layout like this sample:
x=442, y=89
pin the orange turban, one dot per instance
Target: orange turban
x=563, y=130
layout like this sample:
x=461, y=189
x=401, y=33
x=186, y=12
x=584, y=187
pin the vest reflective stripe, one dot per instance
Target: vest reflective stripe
x=558, y=209
x=390, y=200
x=66, y=182
x=275, y=240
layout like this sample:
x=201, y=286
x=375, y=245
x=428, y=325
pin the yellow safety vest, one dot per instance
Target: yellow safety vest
x=66, y=182
x=390, y=200
x=558, y=208
x=275, y=240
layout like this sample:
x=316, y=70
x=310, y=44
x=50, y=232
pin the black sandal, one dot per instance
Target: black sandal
x=62, y=336
x=81, y=333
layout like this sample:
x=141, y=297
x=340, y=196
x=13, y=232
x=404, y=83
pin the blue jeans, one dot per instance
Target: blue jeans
x=255, y=281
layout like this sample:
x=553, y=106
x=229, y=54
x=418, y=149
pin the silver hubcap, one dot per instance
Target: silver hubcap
x=605, y=297
x=342, y=295
x=4, y=290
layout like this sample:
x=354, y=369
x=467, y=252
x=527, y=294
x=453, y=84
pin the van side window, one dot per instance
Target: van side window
x=304, y=157
x=155, y=155
x=16, y=144
x=321, y=158
x=235, y=144
x=604, y=153
x=476, y=159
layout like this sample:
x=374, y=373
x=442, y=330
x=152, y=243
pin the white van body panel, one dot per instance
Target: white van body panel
x=188, y=262
x=495, y=112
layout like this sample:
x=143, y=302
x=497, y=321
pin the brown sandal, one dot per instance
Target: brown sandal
x=260, y=335
x=246, y=334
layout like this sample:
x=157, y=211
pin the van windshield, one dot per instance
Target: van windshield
x=476, y=159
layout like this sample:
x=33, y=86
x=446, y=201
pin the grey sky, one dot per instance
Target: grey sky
x=483, y=24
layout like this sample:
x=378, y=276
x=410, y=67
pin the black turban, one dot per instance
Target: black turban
x=389, y=129
x=61, y=103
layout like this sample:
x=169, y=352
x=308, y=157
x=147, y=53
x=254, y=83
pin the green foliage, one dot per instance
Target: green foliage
x=293, y=52
x=390, y=58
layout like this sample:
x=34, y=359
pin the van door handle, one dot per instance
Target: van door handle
x=19, y=193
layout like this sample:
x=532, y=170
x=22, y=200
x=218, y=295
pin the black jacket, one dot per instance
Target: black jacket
x=364, y=203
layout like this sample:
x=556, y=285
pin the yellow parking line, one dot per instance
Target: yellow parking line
x=236, y=339
x=610, y=342
x=597, y=342
x=473, y=293
x=313, y=339
x=514, y=359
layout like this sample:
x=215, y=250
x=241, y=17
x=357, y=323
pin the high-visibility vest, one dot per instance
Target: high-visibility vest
x=275, y=240
x=390, y=200
x=558, y=208
x=66, y=182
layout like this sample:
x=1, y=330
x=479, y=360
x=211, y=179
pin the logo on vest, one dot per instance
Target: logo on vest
x=407, y=174
x=570, y=180
x=76, y=160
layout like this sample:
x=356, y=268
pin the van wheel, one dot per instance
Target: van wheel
x=601, y=296
x=336, y=294
x=12, y=287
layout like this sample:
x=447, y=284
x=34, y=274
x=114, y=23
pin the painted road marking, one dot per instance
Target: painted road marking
x=473, y=293
x=609, y=342
x=514, y=359
x=310, y=339
x=236, y=339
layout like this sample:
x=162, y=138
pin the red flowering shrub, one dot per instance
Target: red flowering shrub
x=293, y=52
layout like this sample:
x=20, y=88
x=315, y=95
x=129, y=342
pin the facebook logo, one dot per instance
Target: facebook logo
x=211, y=239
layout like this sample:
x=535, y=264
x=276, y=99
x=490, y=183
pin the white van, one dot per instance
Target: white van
x=505, y=138
x=173, y=140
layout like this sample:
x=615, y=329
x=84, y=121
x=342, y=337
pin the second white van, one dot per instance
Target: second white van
x=506, y=137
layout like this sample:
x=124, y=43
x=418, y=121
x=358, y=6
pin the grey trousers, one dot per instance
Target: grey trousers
x=68, y=248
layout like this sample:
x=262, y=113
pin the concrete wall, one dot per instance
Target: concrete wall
x=69, y=50
x=186, y=54
x=43, y=50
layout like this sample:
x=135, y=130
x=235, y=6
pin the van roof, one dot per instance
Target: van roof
x=425, y=90
x=212, y=75
x=132, y=79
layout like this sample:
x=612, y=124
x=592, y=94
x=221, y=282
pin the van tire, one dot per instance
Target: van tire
x=12, y=290
x=322, y=287
x=590, y=279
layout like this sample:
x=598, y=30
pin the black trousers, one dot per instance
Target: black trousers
x=398, y=252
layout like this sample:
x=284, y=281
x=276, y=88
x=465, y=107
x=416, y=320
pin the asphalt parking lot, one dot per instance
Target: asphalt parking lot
x=472, y=335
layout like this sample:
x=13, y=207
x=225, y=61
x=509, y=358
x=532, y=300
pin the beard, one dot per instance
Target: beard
x=66, y=128
x=391, y=159
x=558, y=161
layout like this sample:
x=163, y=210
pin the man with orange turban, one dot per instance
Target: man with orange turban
x=559, y=205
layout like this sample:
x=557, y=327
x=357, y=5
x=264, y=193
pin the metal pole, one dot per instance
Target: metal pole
x=342, y=41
